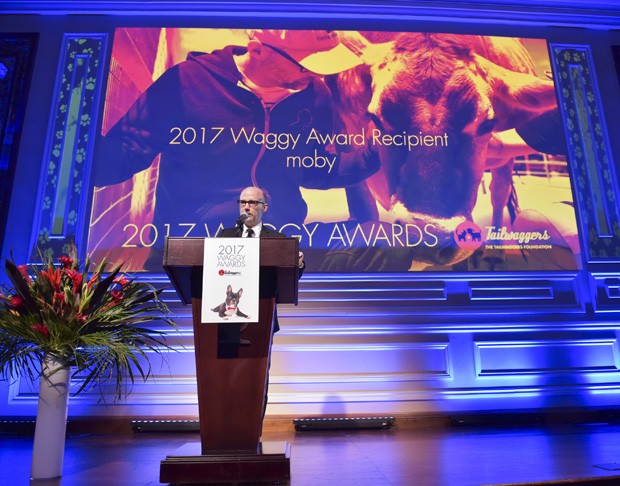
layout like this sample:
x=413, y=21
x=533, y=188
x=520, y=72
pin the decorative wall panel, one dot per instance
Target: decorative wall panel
x=594, y=176
x=547, y=357
x=71, y=134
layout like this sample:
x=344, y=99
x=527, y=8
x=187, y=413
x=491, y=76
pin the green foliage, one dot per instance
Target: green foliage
x=93, y=322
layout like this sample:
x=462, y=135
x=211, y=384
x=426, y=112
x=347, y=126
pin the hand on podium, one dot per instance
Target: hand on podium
x=302, y=264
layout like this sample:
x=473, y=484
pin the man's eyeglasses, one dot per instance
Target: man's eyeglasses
x=287, y=56
x=253, y=204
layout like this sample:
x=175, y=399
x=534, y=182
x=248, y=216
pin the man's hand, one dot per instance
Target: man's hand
x=301, y=260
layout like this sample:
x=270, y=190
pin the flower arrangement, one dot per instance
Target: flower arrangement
x=91, y=322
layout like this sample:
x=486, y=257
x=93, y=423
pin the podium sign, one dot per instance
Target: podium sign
x=230, y=280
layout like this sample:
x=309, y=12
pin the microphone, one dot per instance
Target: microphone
x=240, y=220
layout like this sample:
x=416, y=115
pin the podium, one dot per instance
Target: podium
x=232, y=365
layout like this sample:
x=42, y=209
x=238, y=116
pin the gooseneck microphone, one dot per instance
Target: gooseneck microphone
x=240, y=220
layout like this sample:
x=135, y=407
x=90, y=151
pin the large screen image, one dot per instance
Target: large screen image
x=380, y=151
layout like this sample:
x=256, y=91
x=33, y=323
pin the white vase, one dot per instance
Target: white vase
x=51, y=425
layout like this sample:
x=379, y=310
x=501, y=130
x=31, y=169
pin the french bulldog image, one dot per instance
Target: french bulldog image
x=230, y=306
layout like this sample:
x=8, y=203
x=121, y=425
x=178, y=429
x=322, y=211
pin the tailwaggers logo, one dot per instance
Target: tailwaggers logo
x=518, y=240
x=469, y=236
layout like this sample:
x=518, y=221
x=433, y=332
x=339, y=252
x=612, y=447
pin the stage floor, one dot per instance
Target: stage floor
x=451, y=456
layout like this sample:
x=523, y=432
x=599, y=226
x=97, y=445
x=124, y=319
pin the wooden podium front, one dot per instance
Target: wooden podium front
x=232, y=365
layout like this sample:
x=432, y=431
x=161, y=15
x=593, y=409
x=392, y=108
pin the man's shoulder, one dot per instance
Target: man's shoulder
x=226, y=232
x=270, y=233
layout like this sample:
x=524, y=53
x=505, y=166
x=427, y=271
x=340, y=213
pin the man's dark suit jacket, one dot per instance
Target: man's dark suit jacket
x=264, y=233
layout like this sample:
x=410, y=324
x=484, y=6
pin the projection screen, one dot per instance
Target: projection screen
x=436, y=152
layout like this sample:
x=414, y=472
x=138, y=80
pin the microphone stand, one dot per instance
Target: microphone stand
x=240, y=220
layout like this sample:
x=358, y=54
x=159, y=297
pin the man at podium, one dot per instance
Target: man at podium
x=252, y=205
x=233, y=358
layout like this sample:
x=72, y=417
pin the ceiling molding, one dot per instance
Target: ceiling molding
x=571, y=13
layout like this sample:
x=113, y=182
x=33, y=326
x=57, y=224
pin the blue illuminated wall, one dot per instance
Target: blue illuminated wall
x=371, y=344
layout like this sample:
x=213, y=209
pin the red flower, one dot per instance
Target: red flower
x=121, y=280
x=53, y=275
x=76, y=278
x=93, y=280
x=66, y=261
x=23, y=269
x=60, y=296
x=81, y=317
x=41, y=329
x=117, y=295
x=16, y=302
